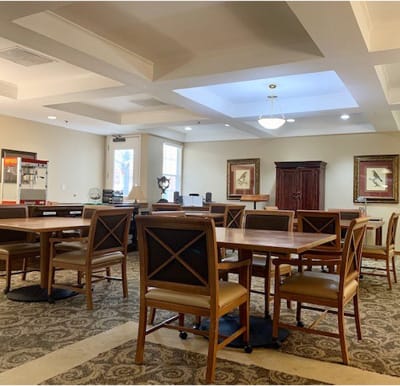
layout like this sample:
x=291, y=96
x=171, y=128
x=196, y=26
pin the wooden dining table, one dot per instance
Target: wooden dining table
x=247, y=241
x=45, y=227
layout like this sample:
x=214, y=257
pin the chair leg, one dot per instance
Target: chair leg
x=277, y=312
x=141, y=334
x=24, y=268
x=267, y=286
x=108, y=274
x=8, y=276
x=342, y=337
x=357, y=316
x=298, y=315
x=50, y=279
x=394, y=268
x=212, y=349
x=388, y=274
x=88, y=292
x=124, y=278
x=152, y=315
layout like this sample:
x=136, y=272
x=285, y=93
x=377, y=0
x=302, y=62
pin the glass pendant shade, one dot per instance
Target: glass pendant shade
x=271, y=123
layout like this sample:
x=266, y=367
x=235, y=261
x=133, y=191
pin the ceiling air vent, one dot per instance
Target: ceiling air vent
x=151, y=102
x=24, y=57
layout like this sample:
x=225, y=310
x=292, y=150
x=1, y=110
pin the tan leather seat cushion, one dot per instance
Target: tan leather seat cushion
x=259, y=261
x=227, y=292
x=374, y=250
x=79, y=257
x=19, y=248
x=317, y=284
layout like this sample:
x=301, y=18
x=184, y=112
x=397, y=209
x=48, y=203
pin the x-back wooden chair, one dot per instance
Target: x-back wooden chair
x=384, y=253
x=325, y=292
x=106, y=246
x=318, y=221
x=179, y=272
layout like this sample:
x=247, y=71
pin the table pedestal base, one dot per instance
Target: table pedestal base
x=35, y=293
x=260, y=330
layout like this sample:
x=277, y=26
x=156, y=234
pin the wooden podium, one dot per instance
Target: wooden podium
x=255, y=198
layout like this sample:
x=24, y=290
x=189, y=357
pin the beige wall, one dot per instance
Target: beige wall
x=76, y=160
x=205, y=164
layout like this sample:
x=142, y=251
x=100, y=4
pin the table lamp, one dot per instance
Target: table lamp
x=136, y=194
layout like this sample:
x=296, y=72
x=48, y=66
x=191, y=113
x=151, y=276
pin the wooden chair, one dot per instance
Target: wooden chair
x=219, y=208
x=179, y=272
x=316, y=221
x=106, y=246
x=16, y=248
x=384, y=253
x=348, y=214
x=325, y=292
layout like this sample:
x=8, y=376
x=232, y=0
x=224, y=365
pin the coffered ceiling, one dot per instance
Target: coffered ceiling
x=161, y=67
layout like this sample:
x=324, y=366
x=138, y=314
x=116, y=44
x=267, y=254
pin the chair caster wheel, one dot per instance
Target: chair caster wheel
x=300, y=324
x=248, y=349
x=51, y=300
x=183, y=335
x=276, y=344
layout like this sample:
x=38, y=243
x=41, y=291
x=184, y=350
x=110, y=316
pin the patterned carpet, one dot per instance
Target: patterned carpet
x=31, y=330
x=167, y=366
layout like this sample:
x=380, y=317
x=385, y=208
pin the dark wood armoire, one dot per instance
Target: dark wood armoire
x=300, y=185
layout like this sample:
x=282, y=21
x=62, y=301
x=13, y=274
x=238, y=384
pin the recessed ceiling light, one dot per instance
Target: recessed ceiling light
x=51, y=117
x=227, y=124
x=290, y=120
x=345, y=116
x=188, y=128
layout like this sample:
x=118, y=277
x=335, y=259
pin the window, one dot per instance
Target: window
x=123, y=170
x=172, y=166
x=123, y=164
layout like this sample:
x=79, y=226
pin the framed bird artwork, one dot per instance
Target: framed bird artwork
x=376, y=178
x=243, y=177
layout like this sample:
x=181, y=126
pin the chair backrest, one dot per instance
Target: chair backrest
x=219, y=208
x=271, y=208
x=352, y=252
x=234, y=216
x=165, y=206
x=13, y=211
x=109, y=231
x=278, y=220
x=171, y=213
x=319, y=221
x=178, y=254
x=348, y=214
x=391, y=232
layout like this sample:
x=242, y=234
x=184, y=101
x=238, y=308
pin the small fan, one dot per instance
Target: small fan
x=95, y=195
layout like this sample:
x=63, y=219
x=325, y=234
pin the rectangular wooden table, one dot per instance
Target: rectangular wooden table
x=247, y=241
x=45, y=226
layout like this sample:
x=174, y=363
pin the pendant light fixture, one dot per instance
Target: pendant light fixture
x=273, y=120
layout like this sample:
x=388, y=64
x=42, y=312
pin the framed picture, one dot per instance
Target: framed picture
x=376, y=178
x=243, y=177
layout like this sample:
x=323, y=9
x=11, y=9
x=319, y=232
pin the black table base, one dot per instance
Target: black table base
x=260, y=330
x=35, y=293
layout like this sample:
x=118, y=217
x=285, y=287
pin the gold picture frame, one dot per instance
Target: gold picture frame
x=243, y=177
x=376, y=178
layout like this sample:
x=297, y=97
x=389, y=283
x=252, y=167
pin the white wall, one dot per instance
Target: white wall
x=205, y=164
x=76, y=160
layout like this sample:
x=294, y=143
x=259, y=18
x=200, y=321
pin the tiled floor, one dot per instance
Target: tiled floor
x=59, y=361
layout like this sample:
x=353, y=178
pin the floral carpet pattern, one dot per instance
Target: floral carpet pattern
x=31, y=330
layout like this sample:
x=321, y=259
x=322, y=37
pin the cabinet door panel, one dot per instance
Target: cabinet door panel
x=309, y=188
x=287, y=192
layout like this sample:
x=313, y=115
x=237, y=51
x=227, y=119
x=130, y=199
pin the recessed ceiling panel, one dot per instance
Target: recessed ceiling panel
x=296, y=93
